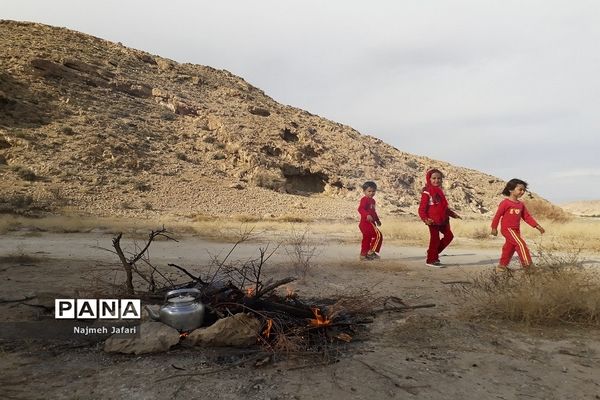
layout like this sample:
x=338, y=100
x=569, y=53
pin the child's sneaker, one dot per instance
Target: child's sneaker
x=500, y=269
x=435, y=264
x=364, y=258
x=373, y=256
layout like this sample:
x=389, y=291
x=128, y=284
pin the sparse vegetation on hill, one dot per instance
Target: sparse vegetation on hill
x=118, y=131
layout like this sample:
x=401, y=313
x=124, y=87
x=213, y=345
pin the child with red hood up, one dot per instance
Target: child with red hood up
x=434, y=212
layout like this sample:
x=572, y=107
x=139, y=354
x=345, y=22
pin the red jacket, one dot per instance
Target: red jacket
x=367, y=207
x=511, y=213
x=434, y=207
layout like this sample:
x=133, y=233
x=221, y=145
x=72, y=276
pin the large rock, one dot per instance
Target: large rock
x=237, y=330
x=154, y=337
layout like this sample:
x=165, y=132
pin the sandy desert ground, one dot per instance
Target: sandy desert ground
x=431, y=353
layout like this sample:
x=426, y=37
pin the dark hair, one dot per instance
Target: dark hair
x=512, y=184
x=369, y=184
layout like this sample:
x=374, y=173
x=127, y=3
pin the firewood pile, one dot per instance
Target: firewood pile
x=288, y=324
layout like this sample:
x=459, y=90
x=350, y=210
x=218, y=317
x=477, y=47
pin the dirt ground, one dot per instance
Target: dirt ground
x=430, y=353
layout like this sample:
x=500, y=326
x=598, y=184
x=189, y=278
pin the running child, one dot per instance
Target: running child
x=435, y=213
x=369, y=221
x=511, y=211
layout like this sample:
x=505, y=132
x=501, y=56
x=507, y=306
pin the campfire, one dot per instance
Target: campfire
x=284, y=323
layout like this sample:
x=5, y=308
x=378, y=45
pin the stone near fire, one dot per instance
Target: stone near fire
x=154, y=337
x=237, y=330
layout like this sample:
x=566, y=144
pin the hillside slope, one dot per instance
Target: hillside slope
x=587, y=208
x=90, y=126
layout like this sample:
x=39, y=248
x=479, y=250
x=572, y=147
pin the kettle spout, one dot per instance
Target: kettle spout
x=153, y=314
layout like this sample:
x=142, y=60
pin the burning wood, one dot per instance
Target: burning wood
x=288, y=324
x=319, y=320
x=267, y=331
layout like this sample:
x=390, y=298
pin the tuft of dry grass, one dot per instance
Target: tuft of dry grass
x=558, y=291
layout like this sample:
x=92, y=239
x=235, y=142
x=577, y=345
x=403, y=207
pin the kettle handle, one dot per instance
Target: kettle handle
x=181, y=292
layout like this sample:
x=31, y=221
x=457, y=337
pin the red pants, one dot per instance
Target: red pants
x=514, y=242
x=437, y=245
x=372, y=238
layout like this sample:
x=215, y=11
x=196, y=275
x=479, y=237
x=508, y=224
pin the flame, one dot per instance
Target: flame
x=250, y=292
x=267, y=330
x=289, y=293
x=319, y=320
x=183, y=335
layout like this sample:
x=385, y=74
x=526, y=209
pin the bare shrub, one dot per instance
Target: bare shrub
x=559, y=290
x=245, y=218
x=13, y=202
x=542, y=209
x=552, y=255
x=268, y=179
x=142, y=186
x=67, y=130
x=24, y=173
x=301, y=250
x=291, y=219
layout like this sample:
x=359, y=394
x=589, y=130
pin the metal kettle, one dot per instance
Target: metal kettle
x=182, y=310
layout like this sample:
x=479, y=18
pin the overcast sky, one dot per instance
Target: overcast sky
x=510, y=88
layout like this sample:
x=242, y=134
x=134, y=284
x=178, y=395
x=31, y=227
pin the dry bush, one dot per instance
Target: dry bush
x=301, y=250
x=268, y=179
x=292, y=219
x=553, y=255
x=557, y=291
x=15, y=201
x=24, y=173
x=246, y=218
x=541, y=209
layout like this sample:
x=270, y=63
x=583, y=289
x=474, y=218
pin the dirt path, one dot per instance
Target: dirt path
x=427, y=353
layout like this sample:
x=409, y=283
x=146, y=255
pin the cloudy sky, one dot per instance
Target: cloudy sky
x=507, y=87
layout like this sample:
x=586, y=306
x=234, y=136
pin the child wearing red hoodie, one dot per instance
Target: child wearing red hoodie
x=369, y=221
x=434, y=212
x=511, y=211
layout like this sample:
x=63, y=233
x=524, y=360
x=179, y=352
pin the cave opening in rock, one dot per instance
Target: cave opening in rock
x=305, y=182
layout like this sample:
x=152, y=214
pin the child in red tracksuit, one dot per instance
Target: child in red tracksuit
x=511, y=211
x=434, y=212
x=369, y=220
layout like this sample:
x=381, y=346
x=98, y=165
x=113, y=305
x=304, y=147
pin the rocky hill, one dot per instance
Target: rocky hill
x=91, y=126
